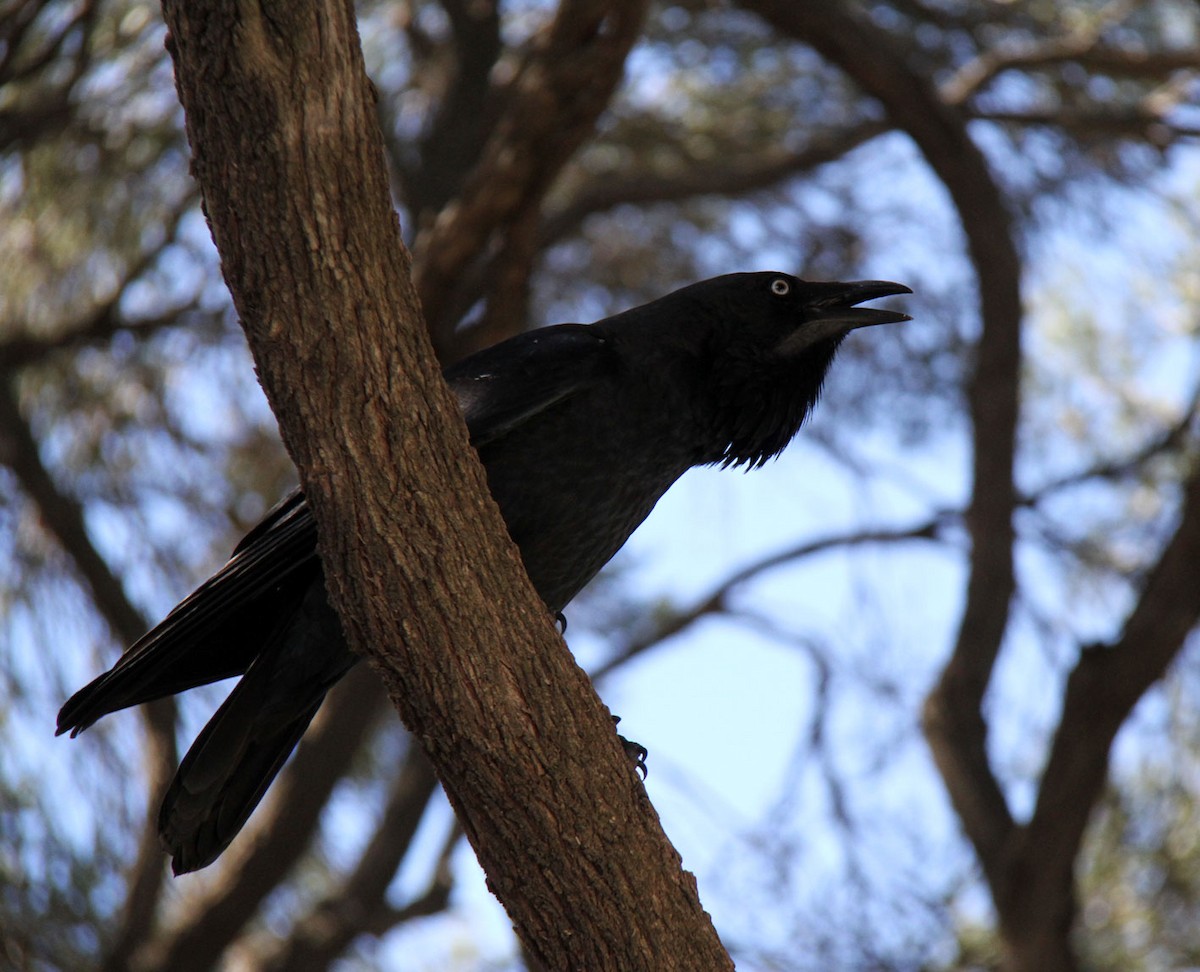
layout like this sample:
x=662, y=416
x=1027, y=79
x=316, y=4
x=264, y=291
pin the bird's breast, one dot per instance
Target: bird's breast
x=571, y=500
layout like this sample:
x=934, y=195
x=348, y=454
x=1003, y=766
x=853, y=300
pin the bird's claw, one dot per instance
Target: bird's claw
x=562, y=622
x=636, y=753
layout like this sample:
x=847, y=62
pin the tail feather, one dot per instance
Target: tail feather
x=265, y=616
x=236, y=756
x=224, y=775
x=217, y=630
x=174, y=657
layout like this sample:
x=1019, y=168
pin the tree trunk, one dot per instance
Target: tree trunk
x=288, y=155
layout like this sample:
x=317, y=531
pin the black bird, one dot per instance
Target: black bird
x=581, y=429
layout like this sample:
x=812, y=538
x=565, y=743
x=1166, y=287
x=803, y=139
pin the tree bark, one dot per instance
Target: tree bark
x=288, y=155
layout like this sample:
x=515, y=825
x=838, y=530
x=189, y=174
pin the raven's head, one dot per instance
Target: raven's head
x=771, y=341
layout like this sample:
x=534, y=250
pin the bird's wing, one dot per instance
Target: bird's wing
x=503, y=386
x=217, y=630
x=288, y=510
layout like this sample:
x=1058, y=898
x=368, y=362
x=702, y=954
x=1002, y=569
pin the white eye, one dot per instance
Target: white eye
x=780, y=287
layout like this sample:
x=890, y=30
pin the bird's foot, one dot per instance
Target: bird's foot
x=562, y=622
x=635, y=752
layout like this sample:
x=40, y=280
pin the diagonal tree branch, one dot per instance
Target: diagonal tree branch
x=560, y=90
x=288, y=154
x=332, y=924
x=1106, y=683
x=63, y=516
x=283, y=831
x=717, y=600
x=954, y=722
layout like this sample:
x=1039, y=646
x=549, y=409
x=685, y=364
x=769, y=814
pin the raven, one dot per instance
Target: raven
x=581, y=429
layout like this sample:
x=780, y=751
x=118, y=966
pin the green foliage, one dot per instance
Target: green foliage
x=727, y=148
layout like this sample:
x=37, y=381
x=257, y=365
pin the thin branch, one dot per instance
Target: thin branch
x=954, y=722
x=722, y=177
x=1147, y=123
x=100, y=325
x=1080, y=46
x=320, y=936
x=283, y=832
x=1170, y=439
x=63, y=516
x=106, y=319
x=435, y=899
x=717, y=599
x=559, y=92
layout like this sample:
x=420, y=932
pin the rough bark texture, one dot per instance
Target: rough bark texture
x=288, y=155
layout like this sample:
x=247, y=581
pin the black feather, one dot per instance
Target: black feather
x=581, y=429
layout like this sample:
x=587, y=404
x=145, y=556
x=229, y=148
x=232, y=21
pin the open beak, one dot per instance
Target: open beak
x=837, y=305
x=831, y=312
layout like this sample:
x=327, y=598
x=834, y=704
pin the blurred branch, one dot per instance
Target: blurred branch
x=34, y=121
x=435, y=900
x=17, y=62
x=815, y=745
x=27, y=120
x=1146, y=120
x=953, y=718
x=955, y=722
x=1108, y=680
x=1146, y=123
x=63, y=516
x=969, y=16
x=1171, y=439
x=506, y=277
x=100, y=325
x=328, y=928
x=1094, y=554
x=559, y=91
x=1083, y=47
x=282, y=833
x=717, y=600
x=464, y=116
x=105, y=320
x=1133, y=62
x=722, y=177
